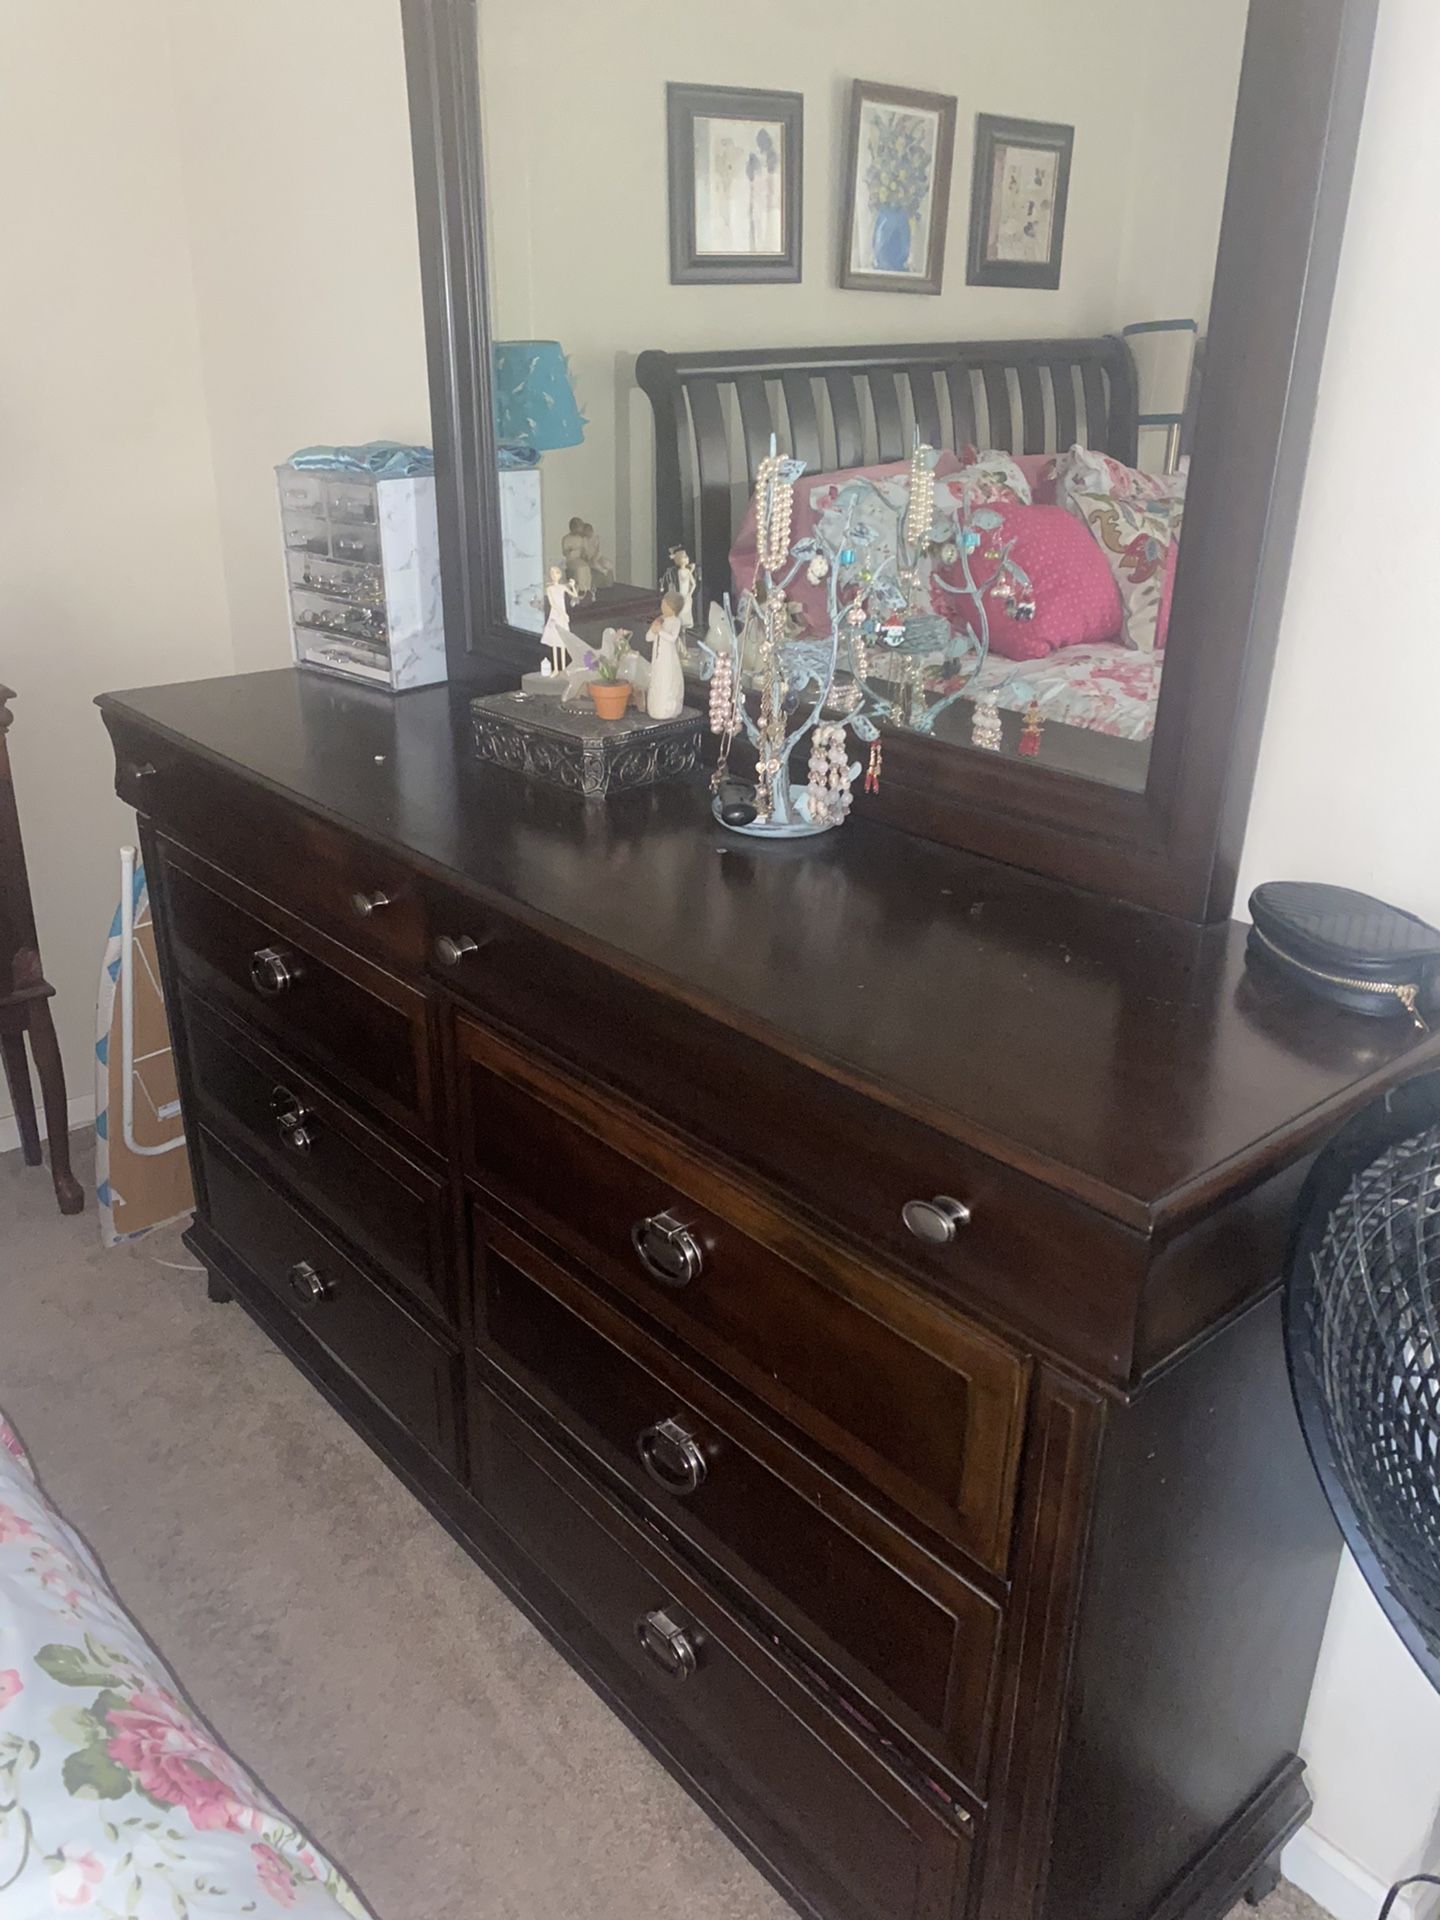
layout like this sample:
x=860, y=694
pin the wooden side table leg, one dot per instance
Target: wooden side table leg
x=46, y=1049
x=22, y=1095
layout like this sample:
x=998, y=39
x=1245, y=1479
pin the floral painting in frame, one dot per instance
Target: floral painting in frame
x=735, y=167
x=897, y=189
x=1017, y=202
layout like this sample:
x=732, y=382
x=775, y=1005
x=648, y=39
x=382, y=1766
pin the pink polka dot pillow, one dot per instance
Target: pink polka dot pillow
x=1072, y=589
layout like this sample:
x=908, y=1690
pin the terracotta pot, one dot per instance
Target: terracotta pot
x=611, y=697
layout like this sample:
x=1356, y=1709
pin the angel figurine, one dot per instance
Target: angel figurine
x=666, y=694
x=557, y=635
x=686, y=581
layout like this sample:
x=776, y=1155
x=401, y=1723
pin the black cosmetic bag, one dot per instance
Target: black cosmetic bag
x=1348, y=948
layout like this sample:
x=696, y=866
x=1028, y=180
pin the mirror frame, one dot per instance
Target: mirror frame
x=1176, y=846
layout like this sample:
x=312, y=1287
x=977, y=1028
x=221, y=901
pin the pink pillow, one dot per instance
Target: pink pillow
x=813, y=598
x=1075, y=596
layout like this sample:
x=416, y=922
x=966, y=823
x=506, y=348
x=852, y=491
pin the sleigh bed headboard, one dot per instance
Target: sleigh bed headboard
x=836, y=407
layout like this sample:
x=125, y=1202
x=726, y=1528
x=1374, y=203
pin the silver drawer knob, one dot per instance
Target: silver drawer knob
x=668, y=1250
x=367, y=903
x=674, y=1647
x=935, y=1221
x=673, y=1457
x=451, y=950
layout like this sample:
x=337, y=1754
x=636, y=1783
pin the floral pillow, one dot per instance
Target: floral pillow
x=1036, y=469
x=114, y=1797
x=1135, y=519
x=993, y=478
x=1083, y=470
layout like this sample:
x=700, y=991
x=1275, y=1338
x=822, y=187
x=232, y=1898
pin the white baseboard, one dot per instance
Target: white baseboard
x=1343, y=1887
x=80, y=1113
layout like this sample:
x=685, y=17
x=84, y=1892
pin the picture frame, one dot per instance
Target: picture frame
x=1019, y=195
x=736, y=178
x=899, y=156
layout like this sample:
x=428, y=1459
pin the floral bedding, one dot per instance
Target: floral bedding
x=115, y=1800
x=1108, y=687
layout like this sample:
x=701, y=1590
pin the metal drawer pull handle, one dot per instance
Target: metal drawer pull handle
x=451, y=951
x=935, y=1220
x=672, y=1456
x=367, y=903
x=141, y=770
x=668, y=1250
x=272, y=971
x=674, y=1647
x=308, y=1285
x=294, y=1119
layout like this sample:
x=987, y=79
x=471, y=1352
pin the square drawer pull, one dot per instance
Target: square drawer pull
x=668, y=1251
x=309, y=1285
x=273, y=971
x=673, y=1457
x=674, y=1647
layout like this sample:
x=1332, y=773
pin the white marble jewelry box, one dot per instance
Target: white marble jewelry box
x=522, y=541
x=362, y=561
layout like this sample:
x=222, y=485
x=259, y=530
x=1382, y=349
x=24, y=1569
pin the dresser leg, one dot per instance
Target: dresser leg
x=46, y=1049
x=1265, y=1882
x=22, y=1095
x=216, y=1289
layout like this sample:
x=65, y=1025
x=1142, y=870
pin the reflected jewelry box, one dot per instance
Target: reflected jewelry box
x=362, y=565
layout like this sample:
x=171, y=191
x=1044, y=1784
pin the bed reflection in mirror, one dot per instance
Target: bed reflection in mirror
x=977, y=264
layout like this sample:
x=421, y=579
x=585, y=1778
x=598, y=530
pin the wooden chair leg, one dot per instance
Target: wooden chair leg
x=22, y=1095
x=46, y=1049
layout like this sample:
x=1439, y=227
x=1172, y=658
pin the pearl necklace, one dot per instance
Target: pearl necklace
x=774, y=504
x=920, y=511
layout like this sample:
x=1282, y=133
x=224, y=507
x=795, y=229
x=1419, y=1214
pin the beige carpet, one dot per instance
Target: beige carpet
x=351, y=1654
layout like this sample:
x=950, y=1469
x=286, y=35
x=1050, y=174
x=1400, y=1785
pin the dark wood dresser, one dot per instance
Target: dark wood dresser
x=831, y=1287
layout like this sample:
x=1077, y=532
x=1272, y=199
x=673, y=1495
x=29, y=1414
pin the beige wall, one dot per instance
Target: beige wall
x=574, y=99
x=109, y=534
x=300, y=202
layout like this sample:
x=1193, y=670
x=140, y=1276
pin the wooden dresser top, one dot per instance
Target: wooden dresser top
x=1130, y=1060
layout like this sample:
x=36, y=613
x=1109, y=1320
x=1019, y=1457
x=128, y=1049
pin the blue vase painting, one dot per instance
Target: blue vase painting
x=894, y=189
x=891, y=243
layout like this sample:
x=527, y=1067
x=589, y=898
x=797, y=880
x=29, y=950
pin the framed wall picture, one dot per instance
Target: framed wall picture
x=735, y=167
x=1017, y=202
x=899, y=156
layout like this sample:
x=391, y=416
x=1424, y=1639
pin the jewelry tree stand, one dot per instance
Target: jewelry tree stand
x=877, y=582
x=25, y=1000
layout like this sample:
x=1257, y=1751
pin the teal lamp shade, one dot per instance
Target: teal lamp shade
x=535, y=402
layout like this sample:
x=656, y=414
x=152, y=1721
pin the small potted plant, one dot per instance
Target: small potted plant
x=609, y=692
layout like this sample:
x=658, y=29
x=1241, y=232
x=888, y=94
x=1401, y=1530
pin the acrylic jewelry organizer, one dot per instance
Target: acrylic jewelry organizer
x=888, y=655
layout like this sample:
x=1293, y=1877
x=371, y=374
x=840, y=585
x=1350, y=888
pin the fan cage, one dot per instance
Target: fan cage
x=1364, y=1335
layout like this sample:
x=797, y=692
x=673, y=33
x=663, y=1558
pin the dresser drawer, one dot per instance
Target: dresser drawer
x=391, y=1210
x=819, y=1805
x=923, y=1407
x=352, y=890
x=360, y=1026
x=844, y=1581
x=413, y=1375
x=848, y=1159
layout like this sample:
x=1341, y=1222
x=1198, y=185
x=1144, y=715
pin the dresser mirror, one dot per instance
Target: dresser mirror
x=1012, y=281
